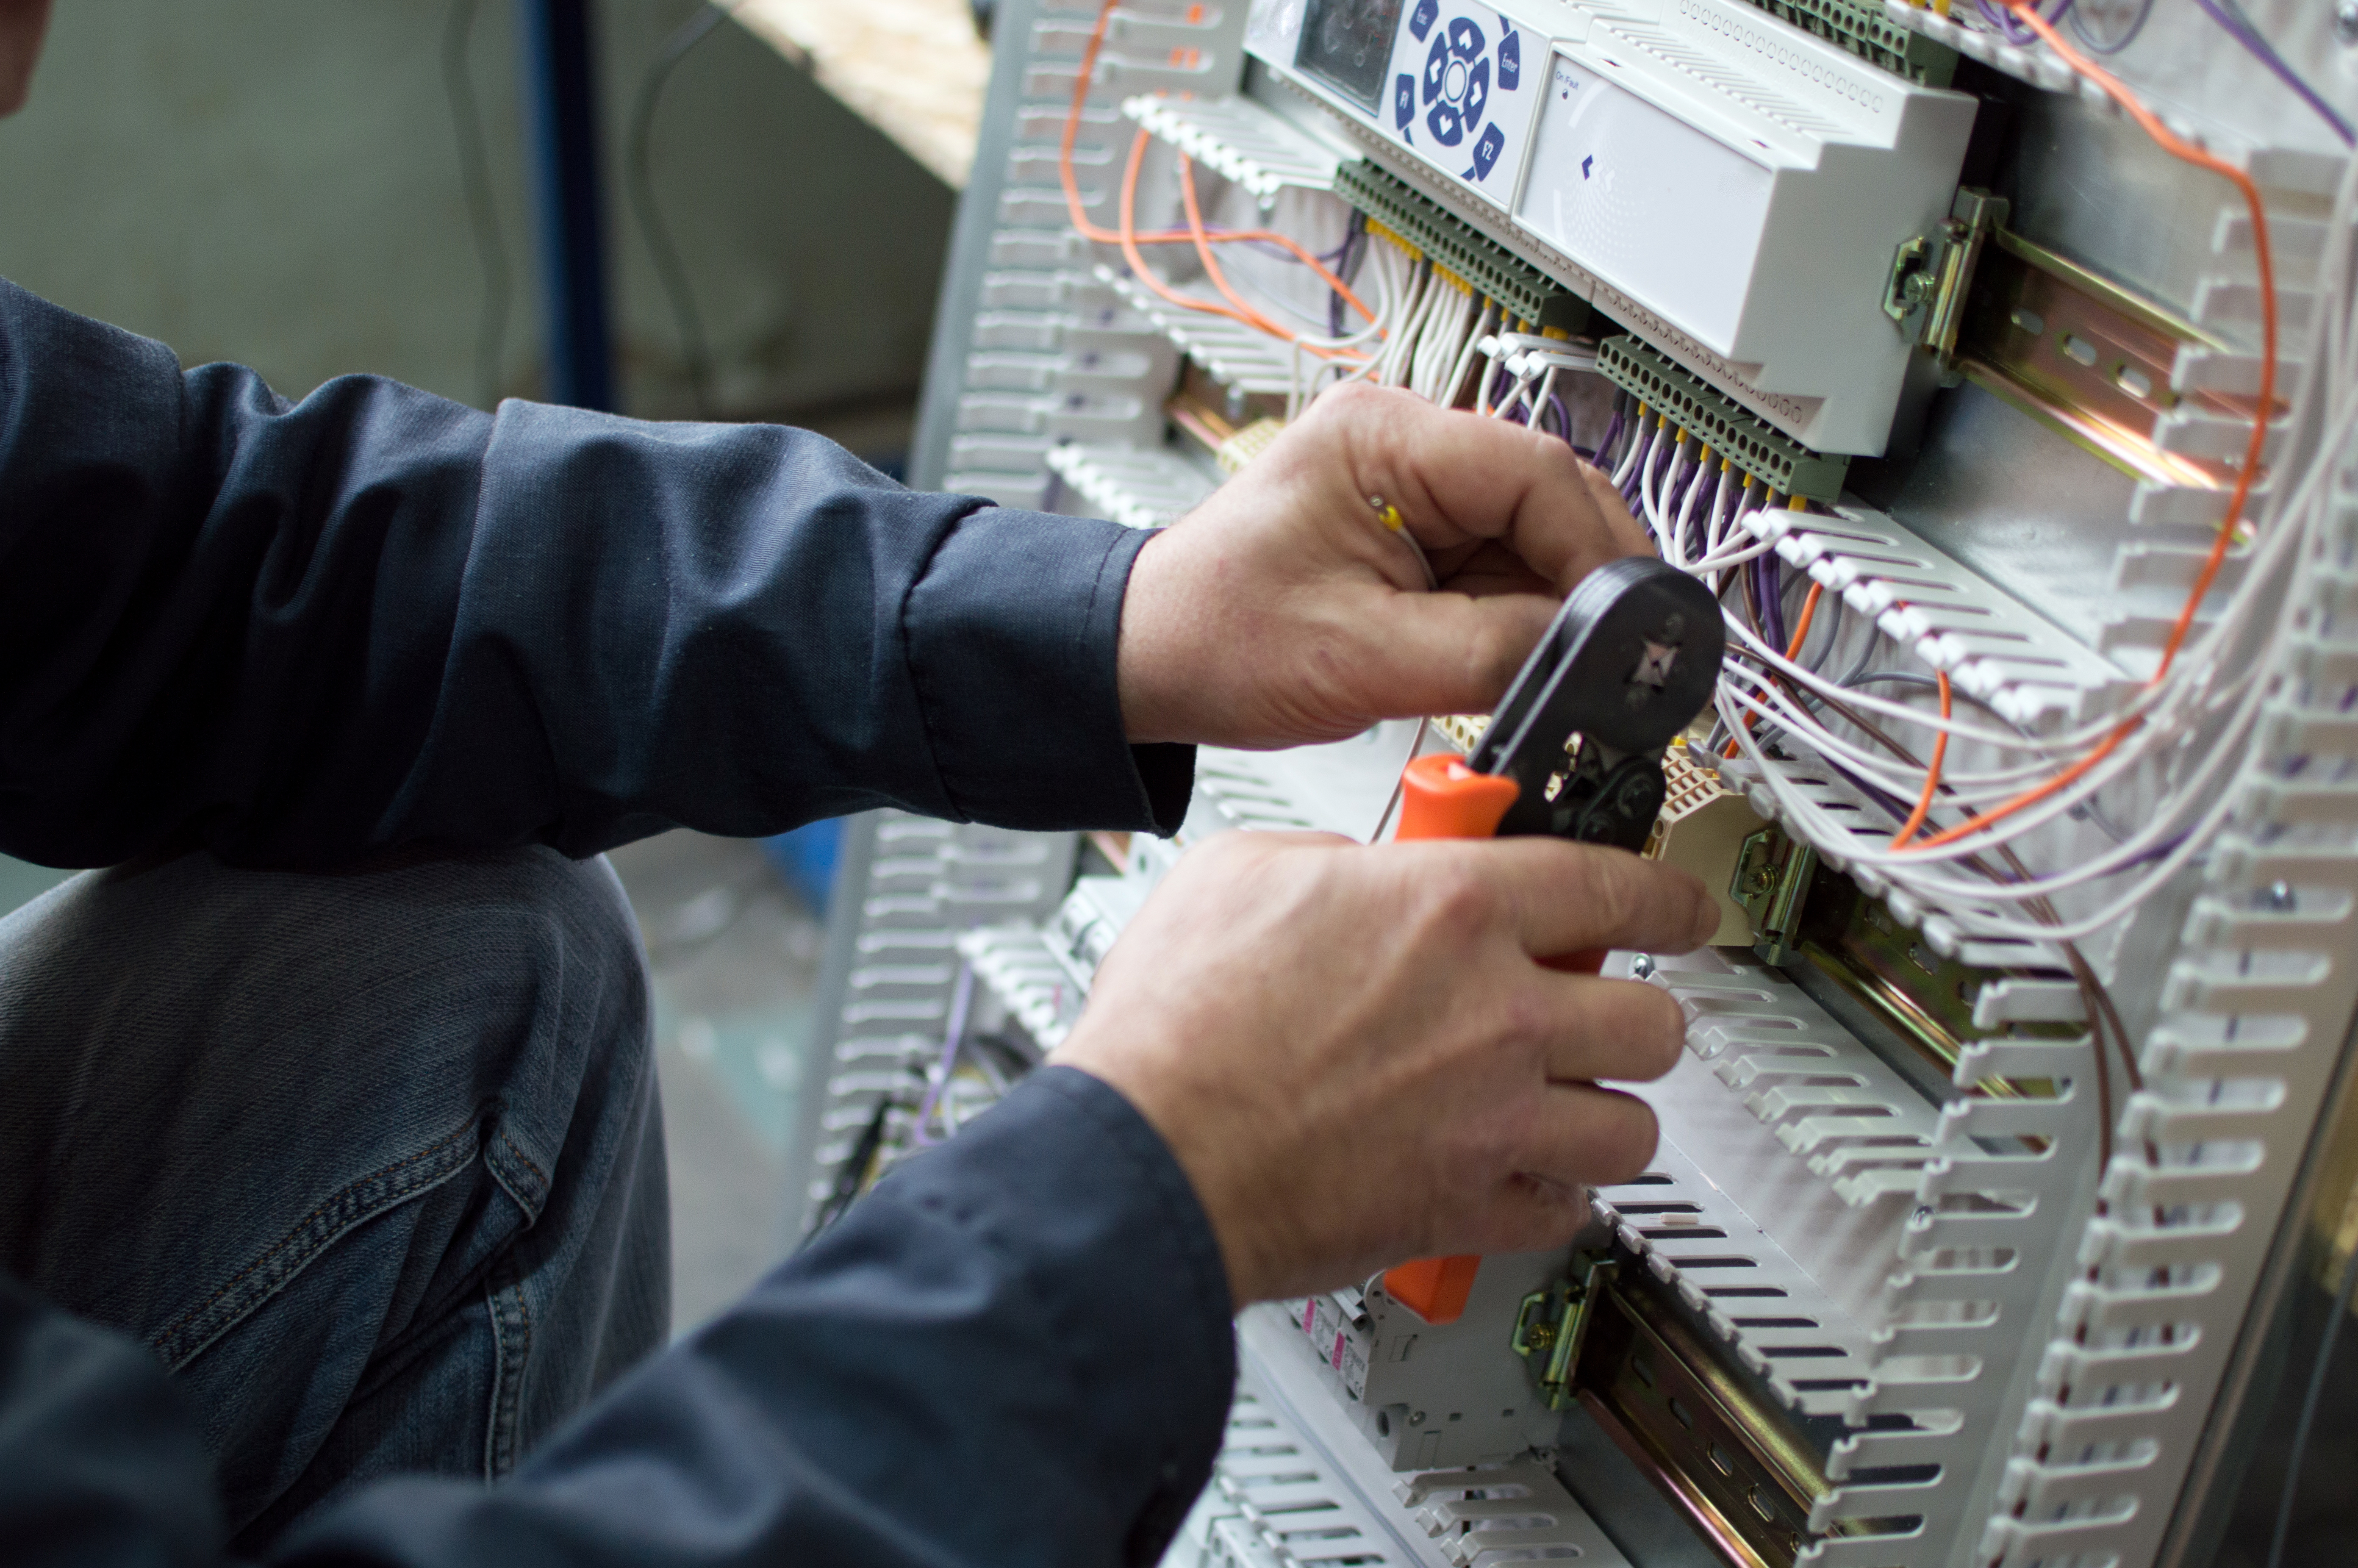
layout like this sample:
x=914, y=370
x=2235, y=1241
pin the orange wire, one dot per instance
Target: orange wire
x=1088, y=230
x=1204, y=250
x=1802, y=626
x=1203, y=237
x=1073, y=130
x=1792, y=652
x=2186, y=152
x=1249, y=316
x=1128, y=237
x=1931, y=775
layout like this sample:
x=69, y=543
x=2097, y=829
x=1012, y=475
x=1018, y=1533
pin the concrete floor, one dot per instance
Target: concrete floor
x=20, y=884
x=735, y=955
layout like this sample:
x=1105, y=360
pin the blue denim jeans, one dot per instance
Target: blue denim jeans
x=372, y=1161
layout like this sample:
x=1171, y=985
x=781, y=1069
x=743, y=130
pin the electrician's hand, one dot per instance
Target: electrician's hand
x=1357, y=1058
x=1281, y=612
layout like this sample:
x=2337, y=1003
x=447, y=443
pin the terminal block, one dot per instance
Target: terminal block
x=1776, y=460
x=1702, y=828
x=1865, y=31
x=1489, y=267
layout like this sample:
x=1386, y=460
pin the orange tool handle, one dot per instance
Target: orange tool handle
x=1441, y=797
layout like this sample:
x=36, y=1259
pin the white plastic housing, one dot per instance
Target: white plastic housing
x=1734, y=187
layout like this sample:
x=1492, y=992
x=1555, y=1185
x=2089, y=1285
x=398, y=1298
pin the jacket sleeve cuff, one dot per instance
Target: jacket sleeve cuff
x=1013, y=632
x=1124, y=1272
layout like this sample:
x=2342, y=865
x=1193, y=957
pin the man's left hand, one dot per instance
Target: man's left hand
x=1282, y=611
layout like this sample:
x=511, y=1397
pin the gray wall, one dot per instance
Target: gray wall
x=277, y=182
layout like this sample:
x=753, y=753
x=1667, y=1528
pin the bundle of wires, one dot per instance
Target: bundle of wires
x=1202, y=237
x=2020, y=789
x=1419, y=326
x=2103, y=35
x=1428, y=320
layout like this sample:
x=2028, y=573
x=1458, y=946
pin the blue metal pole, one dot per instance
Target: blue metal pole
x=561, y=90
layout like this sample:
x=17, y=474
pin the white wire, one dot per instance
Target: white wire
x=1396, y=347
x=1821, y=829
x=1640, y=437
x=1802, y=721
x=1675, y=547
x=1444, y=335
x=1648, y=499
x=1465, y=362
x=1380, y=287
x=1733, y=558
x=1904, y=866
x=2214, y=687
x=1801, y=676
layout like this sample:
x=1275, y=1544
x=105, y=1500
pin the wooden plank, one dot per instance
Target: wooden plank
x=914, y=68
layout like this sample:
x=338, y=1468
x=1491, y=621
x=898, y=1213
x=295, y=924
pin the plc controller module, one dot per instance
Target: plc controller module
x=1993, y=363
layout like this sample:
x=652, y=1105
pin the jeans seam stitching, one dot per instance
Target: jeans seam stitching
x=188, y=1325
x=507, y=1378
x=540, y=1178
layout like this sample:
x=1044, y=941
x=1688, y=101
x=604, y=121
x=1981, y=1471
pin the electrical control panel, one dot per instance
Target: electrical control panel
x=1994, y=366
x=1730, y=187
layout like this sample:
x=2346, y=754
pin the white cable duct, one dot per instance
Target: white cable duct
x=2212, y=690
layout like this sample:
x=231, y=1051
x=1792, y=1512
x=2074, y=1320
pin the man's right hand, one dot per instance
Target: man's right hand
x=1355, y=1053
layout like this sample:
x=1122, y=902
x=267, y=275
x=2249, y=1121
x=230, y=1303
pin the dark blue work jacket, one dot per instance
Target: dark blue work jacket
x=297, y=635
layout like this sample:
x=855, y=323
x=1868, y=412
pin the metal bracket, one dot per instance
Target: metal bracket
x=1552, y=1322
x=1925, y=294
x=1772, y=874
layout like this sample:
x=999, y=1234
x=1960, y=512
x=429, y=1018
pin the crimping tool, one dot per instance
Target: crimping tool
x=1628, y=662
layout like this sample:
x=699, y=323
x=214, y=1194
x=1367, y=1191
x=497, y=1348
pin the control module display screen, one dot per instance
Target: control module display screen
x=1348, y=44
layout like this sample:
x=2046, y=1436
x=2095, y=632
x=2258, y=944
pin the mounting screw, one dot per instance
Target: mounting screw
x=1642, y=966
x=1416, y=1417
x=2345, y=21
x=2279, y=896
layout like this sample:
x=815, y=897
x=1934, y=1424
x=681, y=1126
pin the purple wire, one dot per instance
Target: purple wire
x=952, y=1038
x=1656, y=440
x=1342, y=263
x=1703, y=477
x=1612, y=434
x=2017, y=32
x=2241, y=29
x=1700, y=532
x=1771, y=596
x=2003, y=20
x=1694, y=477
x=1637, y=472
x=1675, y=503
